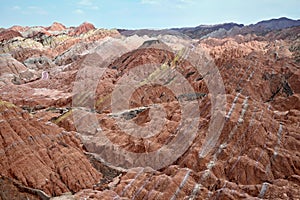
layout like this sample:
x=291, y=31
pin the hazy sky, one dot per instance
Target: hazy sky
x=143, y=13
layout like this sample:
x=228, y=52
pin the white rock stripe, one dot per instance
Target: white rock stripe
x=153, y=188
x=232, y=132
x=193, y=47
x=209, y=195
x=116, y=197
x=259, y=157
x=241, y=79
x=141, y=188
x=247, y=129
x=131, y=182
x=268, y=167
x=223, y=145
x=261, y=114
x=263, y=190
x=232, y=106
x=243, y=135
x=262, y=151
x=181, y=184
x=234, y=165
x=240, y=121
x=248, y=79
x=279, y=135
x=241, y=150
x=269, y=107
x=195, y=191
x=186, y=53
x=244, y=109
x=250, y=76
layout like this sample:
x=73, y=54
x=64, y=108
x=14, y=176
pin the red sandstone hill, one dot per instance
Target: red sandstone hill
x=41, y=155
x=8, y=34
x=56, y=27
x=83, y=28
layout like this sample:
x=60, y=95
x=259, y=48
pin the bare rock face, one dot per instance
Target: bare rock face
x=41, y=155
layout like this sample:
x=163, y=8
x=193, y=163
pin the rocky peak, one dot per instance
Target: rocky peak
x=56, y=27
x=83, y=28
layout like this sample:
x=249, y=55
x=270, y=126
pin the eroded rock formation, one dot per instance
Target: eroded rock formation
x=85, y=110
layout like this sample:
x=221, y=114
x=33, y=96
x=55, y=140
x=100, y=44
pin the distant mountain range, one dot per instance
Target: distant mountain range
x=220, y=30
x=262, y=28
